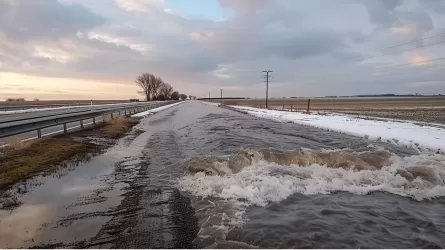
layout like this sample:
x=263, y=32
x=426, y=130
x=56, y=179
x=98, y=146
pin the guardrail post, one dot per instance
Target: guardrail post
x=81, y=123
x=65, y=130
x=39, y=133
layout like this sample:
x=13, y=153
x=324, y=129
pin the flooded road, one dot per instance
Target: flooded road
x=248, y=185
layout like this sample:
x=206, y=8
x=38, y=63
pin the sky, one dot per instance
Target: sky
x=95, y=49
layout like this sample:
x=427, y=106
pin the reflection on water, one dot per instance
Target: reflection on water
x=23, y=224
x=67, y=206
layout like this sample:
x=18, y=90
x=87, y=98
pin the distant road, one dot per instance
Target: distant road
x=7, y=106
x=32, y=113
x=10, y=116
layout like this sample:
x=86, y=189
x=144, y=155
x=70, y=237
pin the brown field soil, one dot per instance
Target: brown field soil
x=422, y=115
x=345, y=103
x=422, y=109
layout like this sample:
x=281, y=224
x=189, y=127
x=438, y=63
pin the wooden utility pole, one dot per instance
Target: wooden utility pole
x=267, y=85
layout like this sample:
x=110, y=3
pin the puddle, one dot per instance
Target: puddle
x=69, y=206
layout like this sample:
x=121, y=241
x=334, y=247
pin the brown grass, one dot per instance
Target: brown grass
x=22, y=160
x=18, y=144
x=43, y=155
x=115, y=128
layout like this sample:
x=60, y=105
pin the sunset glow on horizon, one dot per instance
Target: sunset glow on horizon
x=45, y=88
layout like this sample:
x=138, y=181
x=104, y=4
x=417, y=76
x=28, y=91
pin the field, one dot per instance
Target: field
x=424, y=109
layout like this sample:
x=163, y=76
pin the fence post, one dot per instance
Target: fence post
x=94, y=121
x=283, y=107
x=291, y=108
x=308, y=105
x=111, y=115
x=39, y=133
x=81, y=123
x=65, y=130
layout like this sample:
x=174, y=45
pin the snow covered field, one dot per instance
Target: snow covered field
x=397, y=132
x=155, y=110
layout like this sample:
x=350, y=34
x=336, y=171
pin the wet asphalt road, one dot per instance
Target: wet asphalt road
x=128, y=196
x=13, y=115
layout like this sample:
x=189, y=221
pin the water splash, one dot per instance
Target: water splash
x=260, y=176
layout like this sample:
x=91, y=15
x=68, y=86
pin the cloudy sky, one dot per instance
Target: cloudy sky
x=82, y=49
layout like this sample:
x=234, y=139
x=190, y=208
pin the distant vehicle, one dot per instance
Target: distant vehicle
x=134, y=100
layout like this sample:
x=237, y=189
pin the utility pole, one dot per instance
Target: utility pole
x=267, y=85
x=221, y=96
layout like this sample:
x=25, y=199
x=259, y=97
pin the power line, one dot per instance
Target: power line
x=418, y=62
x=422, y=46
x=395, y=65
x=417, y=72
x=413, y=41
x=397, y=45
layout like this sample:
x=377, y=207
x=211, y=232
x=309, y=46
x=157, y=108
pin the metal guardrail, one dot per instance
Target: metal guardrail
x=73, y=111
x=20, y=125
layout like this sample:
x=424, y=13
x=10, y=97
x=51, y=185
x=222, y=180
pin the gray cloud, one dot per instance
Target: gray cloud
x=48, y=19
x=315, y=47
x=434, y=5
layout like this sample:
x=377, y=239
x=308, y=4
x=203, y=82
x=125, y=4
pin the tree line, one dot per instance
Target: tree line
x=154, y=88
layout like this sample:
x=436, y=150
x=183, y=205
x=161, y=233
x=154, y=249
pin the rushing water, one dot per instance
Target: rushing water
x=260, y=183
x=197, y=175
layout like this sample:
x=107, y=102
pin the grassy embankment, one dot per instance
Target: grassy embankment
x=22, y=160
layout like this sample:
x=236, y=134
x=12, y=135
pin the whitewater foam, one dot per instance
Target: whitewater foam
x=420, y=177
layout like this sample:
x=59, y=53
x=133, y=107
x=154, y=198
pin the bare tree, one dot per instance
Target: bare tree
x=155, y=86
x=166, y=90
x=145, y=82
x=175, y=95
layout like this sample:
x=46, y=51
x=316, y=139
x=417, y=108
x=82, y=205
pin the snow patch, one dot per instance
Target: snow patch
x=401, y=133
x=211, y=103
x=155, y=110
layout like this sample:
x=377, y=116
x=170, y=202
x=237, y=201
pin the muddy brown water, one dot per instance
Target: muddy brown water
x=138, y=194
